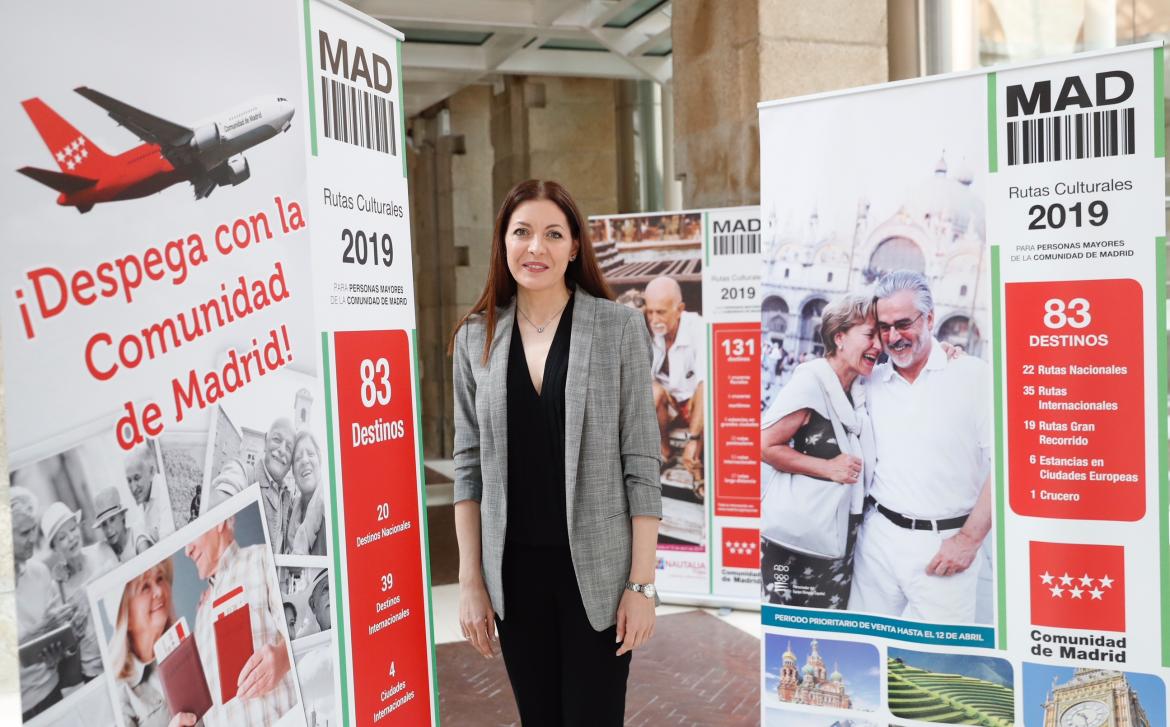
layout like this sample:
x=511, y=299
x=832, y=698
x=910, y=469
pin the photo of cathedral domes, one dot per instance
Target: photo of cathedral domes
x=1092, y=697
x=821, y=673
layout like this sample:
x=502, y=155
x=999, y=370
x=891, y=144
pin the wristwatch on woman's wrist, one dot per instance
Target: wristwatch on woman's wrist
x=646, y=589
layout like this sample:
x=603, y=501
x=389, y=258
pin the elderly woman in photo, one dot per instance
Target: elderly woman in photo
x=307, y=522
x=816, y=436
x=73, y=567
x=145, y=612
x=40, y=610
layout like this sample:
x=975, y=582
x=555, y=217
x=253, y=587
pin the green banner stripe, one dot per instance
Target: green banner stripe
x=1163, y=460
x=312, y=81
x=992, y=125
x=339, y=596
x=1159, y=103
x=422, y=483
x=1000, y=481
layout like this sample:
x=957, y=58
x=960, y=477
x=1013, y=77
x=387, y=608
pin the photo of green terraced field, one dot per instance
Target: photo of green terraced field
x=950, y=688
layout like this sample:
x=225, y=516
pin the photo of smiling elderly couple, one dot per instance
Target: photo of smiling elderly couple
x=876, y=426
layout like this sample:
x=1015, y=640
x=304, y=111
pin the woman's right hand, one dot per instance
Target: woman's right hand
x=183, y=719
x=844, y=468
x=476, y=617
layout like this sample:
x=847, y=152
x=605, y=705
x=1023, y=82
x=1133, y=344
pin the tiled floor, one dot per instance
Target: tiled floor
x=700, y=669
x=697, y=671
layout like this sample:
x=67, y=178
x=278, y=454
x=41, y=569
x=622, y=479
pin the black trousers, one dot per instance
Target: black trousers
x=563, y=673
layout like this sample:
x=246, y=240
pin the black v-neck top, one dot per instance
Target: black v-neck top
x=536, y=442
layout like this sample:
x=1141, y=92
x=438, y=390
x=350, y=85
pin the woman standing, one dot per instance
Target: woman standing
x=803, y=432
x=557, y=498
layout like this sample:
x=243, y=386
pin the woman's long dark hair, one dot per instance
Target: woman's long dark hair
x=501, y=286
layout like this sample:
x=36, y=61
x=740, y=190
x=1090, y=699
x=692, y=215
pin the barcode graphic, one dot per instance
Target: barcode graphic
x=1086, y=135
x=357, y=117
x=739, y=243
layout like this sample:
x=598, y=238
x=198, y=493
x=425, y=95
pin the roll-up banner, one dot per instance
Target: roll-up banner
x=964, y=512
x=209, y=356
x=695, y=275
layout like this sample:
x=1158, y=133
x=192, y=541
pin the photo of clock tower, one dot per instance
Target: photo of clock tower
x=1094, y=698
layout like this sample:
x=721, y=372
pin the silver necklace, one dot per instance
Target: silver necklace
x=540, y=329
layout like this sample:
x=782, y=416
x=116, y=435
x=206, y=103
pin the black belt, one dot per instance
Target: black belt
x=910, y=523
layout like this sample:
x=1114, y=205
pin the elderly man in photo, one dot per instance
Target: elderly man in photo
x=679, y=367
x=269, y=474
x=149, y=492
x=319, y=600
x=265, y=684
x=929, y=509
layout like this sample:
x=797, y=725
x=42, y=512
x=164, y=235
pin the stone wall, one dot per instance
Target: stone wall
x=572, y=138
x=731, y=54
x=559, y=128
x=451, y=211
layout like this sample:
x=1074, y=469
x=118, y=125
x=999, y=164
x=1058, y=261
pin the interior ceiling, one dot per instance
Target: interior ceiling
x=451, y=44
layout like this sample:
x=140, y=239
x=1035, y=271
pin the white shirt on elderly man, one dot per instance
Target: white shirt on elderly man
x=933, y=446
x=686, y=359
x=933, y=437
x=247, y=567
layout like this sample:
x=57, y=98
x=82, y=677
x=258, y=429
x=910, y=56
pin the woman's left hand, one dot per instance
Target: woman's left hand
x=635, y=621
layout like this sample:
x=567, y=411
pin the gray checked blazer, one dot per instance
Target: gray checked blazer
x=611, y=444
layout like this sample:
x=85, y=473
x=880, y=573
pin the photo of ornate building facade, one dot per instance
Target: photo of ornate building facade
x=1094, y=698
x=938, y=229
x=812, y=684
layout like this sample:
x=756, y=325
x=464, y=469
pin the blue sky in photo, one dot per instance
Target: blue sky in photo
x=1038, y=680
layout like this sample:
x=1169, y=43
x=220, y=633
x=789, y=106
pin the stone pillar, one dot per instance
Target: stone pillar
x=451, y=216
x=560, y=128
x=430, y=218
x=509, y=134
x=731, y=54
x=472, y=201
x=571, y=132
x=672, y=194
x=625, y=105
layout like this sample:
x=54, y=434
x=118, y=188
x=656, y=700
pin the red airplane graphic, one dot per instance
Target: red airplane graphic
x=207, y=155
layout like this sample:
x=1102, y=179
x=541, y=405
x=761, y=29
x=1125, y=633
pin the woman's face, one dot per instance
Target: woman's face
x=306, y=466
x=860, y=346
x=539, y=244
x=150, y=606
x=67, y=540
